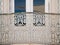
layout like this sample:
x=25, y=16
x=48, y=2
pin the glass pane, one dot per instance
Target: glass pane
x=20, y=5
x=39, y=5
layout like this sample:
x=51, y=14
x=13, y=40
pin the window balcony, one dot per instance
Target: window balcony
x=39, y=19
x=20, y=19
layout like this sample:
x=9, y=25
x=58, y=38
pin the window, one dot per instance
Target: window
x=20, y=5
x=39, y=6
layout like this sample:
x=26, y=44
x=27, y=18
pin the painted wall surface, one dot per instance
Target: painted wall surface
x=23, y=34
x=9, y=33
x=5, y=6
x=29, y=33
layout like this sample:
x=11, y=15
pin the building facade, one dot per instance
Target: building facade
x=30, y=27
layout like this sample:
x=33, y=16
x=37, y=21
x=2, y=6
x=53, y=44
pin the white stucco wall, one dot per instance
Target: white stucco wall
x=7, y=6
x=29, y=5
x=24, y=34
x=52, y=6
x=11, y=6
x=29, y=34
